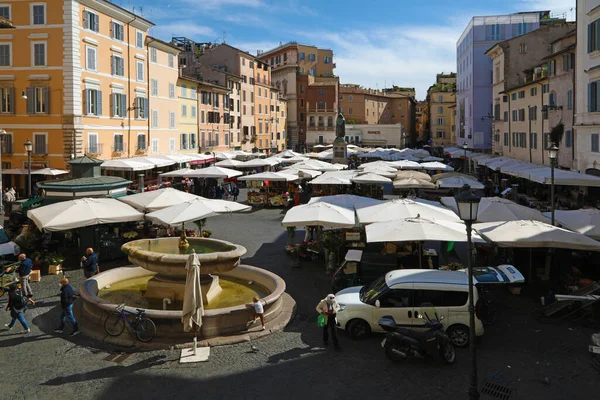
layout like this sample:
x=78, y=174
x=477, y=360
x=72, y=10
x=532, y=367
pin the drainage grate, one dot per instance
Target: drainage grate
x=497, y=387
x=118, y=358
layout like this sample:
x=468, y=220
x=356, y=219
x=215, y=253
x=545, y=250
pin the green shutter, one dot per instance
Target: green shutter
x=98, y=102
x=123, y=105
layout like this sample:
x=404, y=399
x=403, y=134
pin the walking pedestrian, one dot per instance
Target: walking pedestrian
x=17, y=304
x=259, y=311
x=66, y=304
x=89, y=262
x=328, y=307
x=24, y=271
x=235, y=191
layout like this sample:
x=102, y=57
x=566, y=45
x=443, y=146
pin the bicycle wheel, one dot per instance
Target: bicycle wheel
x=145, y=330
x=114, y=324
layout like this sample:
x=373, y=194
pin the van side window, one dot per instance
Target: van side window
x=395, y=298
x=441, y=298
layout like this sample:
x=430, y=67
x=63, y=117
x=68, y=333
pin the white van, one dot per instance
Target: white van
x=400, y=293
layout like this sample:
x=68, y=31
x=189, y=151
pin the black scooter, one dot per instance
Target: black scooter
x=402, y=343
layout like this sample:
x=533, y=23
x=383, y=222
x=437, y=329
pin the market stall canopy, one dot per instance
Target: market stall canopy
x=178, y=158
x=436, y=166
x=269, y=176
x=319, y=214
x=380, y=171
x=289, y=154
x=413, y=180
x=534, y=234
x=405, y=164
x=292, y=160
x=158, y=162
x=189, y=211
x=334, y=178
x=260, y=162
x=379, y=164
x=585, y=221
x=157, y=199
x=404, y=208
x=78, y=213
x=224, y=155
x=349, y=201
x=497, y=209
x=301, y=172
x=413, y=174
x=454, y=182
x=127, y=164
x=228, y=163
x=177, y=173
x=417, y=229
x=432, y=158
x=48, y=172
x=369, y=178
x=213, y=172
x=316, y=165
x=319, y=146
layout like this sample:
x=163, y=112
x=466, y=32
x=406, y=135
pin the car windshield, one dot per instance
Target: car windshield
x=370, y=292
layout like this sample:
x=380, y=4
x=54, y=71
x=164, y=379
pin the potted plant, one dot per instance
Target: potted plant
x=206, y=233
x=54, y=261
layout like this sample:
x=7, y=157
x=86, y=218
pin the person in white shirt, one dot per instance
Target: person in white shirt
x=259, y=311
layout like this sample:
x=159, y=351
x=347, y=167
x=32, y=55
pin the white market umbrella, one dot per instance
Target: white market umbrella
x=319, y=146
x=181, y=213
x=380, y=171
x=413, y=183
x=293, y=160
x=317, y=165
x=193, y=307
x=534, y=234
x=177, y=173
x=269, y=176
x=319, y=214
x=436, y=166
x=229, y=163
x=349, y=201
x=371, y=178
x=417, y=229
x=455, y=182
x=585, y=221
x=288, y=154
x=432, y=158
x=159, y=162
x=157, y=199
x=301, y=172
x=222, y=206
x=222, y=155
x=260, y=162
x=49, y=172
x=405, y=164
x=78, y=213
x=127, y=164
x=497, y=209
x=334, y=178
x=384, y=165
x=404, y=208
x=213, y=172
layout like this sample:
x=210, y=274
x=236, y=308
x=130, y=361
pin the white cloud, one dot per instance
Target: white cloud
x=183, y=28
x=409, y=56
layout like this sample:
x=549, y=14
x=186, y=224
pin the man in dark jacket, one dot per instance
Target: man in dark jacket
x=90, y=263
x=17, y=304
x=24, y=271
x=66, y=304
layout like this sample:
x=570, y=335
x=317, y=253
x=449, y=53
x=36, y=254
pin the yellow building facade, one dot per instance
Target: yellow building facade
x=187, y=117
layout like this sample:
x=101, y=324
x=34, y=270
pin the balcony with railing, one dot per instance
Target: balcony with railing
x=94, y=149
x=119, y=148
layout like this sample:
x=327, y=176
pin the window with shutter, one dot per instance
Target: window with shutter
x=39, y=144
x=118, y=143
x=92, y=144
x=141, y=142
x=7, y=98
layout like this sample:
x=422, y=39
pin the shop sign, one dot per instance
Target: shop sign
x=352, y=236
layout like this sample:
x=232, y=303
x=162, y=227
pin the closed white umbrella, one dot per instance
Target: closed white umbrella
x=404, y=208
x=181, y=213
x=436, y=166
x=82, y=212
x=585, y=221
x=213, y=172
x=534, y=234
x=229, y=163
x=319, y=214
x=157, y=199
x=193, y=307
x=371, y=178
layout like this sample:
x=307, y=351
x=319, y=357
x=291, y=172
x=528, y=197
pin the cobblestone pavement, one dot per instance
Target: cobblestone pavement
x=289, y=364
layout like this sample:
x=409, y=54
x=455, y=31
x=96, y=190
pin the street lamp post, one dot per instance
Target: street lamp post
x=28, y=148
x=465, y=147
x=468, y=206
x=2, y=133
x=553, y=154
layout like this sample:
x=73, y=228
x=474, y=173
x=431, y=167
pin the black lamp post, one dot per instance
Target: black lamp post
x=28, y=148
x=465, y=147
x=553, y=154
x=468, y=206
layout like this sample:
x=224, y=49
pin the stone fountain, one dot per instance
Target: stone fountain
x=160, y=265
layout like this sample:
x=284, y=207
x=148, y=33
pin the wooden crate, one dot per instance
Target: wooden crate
x=54, y=269
x=35, y=276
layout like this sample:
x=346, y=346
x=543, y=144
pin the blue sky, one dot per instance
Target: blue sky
x=375, y=43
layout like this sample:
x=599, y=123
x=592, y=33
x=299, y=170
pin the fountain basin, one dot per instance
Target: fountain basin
x=215, y=323
x=164, y=257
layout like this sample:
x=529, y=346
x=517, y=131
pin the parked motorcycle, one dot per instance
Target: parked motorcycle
x=402, y=343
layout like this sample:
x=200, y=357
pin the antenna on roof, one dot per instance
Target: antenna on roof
x=224, y=36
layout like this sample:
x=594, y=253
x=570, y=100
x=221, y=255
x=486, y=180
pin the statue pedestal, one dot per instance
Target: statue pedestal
x=340, y=152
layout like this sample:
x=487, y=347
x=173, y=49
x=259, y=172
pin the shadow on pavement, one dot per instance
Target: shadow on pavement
x=109, y=372
x=21, y=338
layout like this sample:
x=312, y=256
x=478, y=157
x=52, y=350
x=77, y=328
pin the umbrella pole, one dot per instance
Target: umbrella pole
x=195, y=339
x=420, y=254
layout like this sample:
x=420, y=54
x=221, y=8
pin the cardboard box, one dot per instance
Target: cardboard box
x=35, y=276
x=54, y=269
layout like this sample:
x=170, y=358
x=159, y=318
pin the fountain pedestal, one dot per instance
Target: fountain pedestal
x=160, y=287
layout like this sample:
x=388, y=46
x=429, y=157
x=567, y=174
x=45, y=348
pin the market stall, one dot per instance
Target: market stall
x=269, y=188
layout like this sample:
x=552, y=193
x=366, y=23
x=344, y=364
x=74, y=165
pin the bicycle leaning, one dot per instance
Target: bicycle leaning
x=143, y=327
